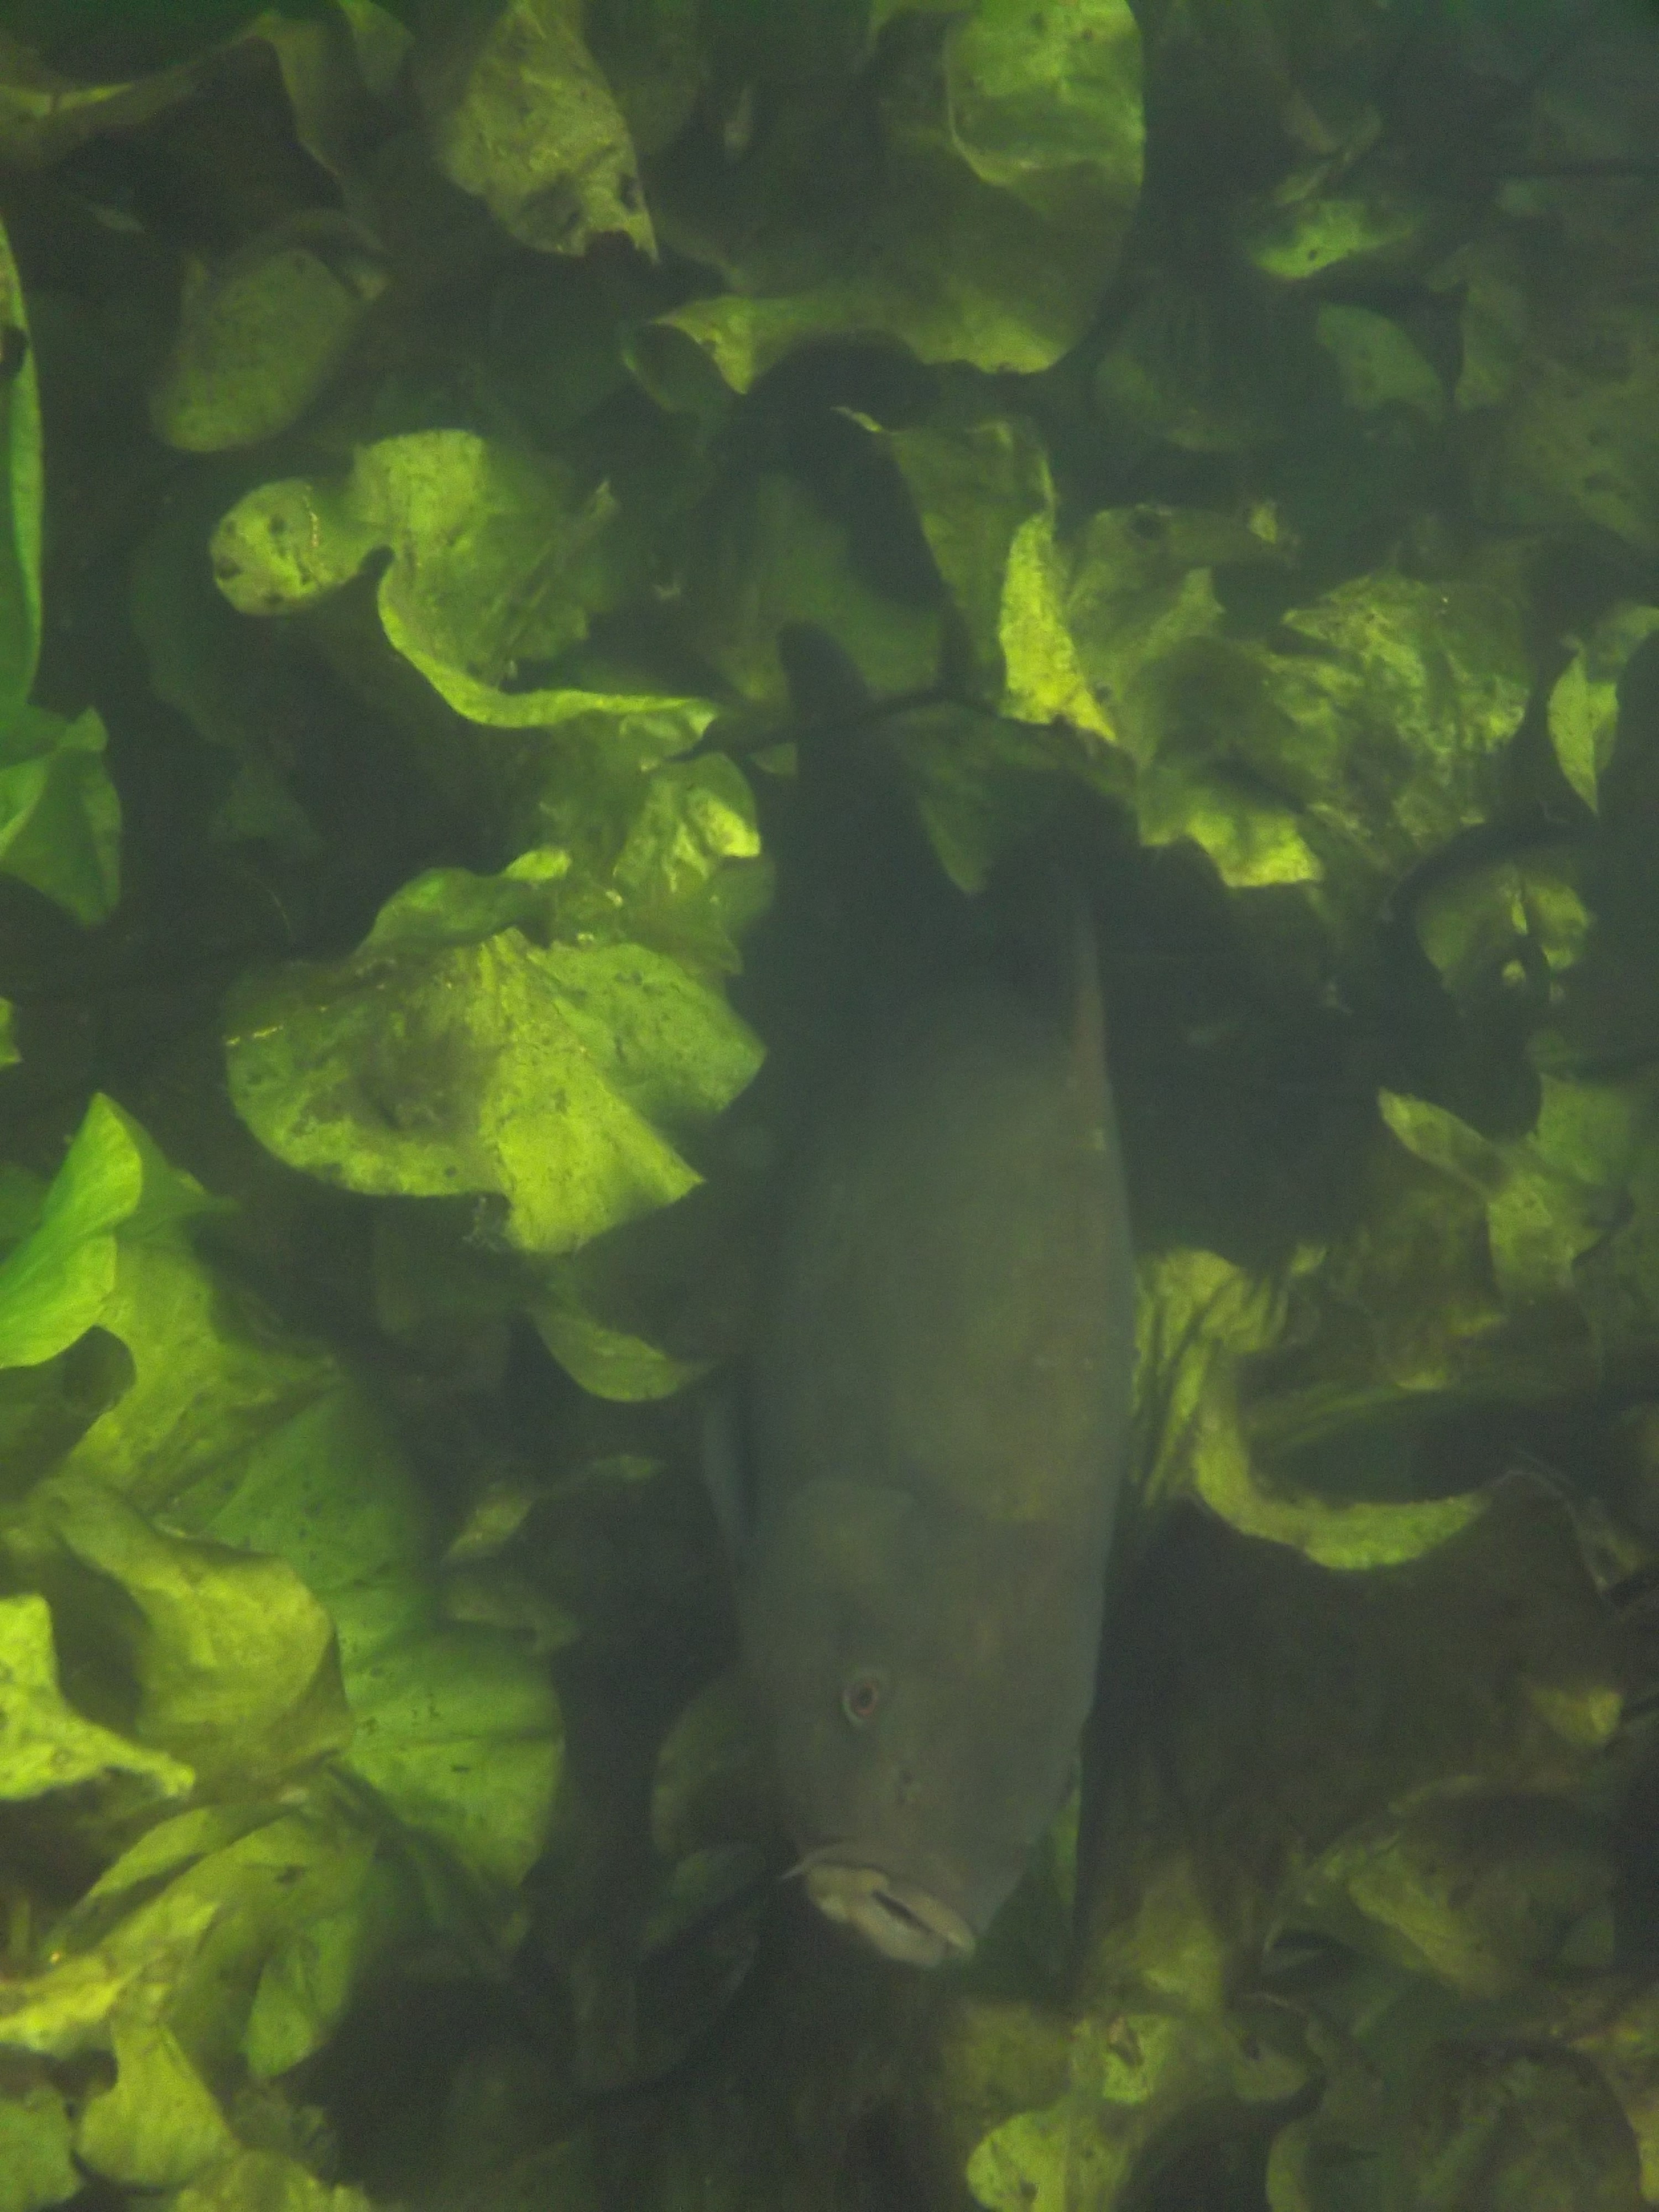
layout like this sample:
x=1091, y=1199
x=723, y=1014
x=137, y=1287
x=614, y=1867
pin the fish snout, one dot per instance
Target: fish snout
x=899, y=1919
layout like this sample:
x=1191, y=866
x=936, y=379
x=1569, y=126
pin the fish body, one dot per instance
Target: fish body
x=937, y=1424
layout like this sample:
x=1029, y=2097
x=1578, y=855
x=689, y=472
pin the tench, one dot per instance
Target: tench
x=935, y=1432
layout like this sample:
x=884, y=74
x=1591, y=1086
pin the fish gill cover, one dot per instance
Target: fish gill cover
x=1236, y=430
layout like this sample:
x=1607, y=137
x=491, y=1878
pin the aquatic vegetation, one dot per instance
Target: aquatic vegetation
x=457, y=464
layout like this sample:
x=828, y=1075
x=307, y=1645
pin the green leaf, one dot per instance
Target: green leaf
x=210, y=1378
x=20, y=538
x=264, y=2181
x=160, y=2126
x=262, y=338
x=44, y=116
x=57, y=1283
x=306, y=1986
x=45, y=1744
x=1199, y=1318
x=458, y=1731
x=1584, y=707
x=1489, y=930
x=985, y=232
x=1476, y=1886
x=544, y=1076
x=60, y=816
x=271, y=1887
x=1378, y=364
x=1579, y=438
x=35, y=2169
x=522, y=118
x=244, y=1899
x=233, y=1656
x=202, y=658
x=763, y=552
x=497, y=561
x=1527, y=2128
x=448, y=907
x=1310, y=237
x=460, y=1735
x=608, y=1362
x=689, y=878
x=986, y=503
x=67, y=2011
x=1541, y=1217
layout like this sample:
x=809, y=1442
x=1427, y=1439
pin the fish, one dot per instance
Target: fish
x=933, y=1444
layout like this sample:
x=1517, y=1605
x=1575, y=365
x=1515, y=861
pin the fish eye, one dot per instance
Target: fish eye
x=861, y=1699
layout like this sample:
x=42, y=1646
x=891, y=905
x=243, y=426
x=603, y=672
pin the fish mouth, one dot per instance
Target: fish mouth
x=902, y=1921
